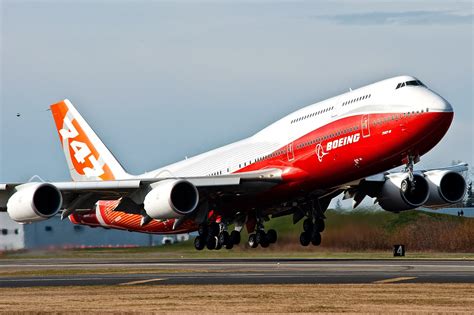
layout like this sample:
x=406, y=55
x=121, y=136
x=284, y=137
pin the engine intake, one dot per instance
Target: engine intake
x=34, y=202
x=171, y=199
x=398, y=194
x=446, y=187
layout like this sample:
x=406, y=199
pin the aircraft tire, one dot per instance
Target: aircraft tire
x=253, y=241
x=272, y=236
x=211, y=242
x=224, y=238
x=319, y=225
x=316, y=239
x=305, y=238
x=229, y=245
x=199, y=244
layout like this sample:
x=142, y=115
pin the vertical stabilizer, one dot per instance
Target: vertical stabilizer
x=87, y=157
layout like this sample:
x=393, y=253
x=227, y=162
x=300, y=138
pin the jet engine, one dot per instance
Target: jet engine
x=446, y=187
x=34, y=202
x=398, y=194
x=171, y=199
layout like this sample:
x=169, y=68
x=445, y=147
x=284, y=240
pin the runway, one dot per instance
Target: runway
x=127, y=272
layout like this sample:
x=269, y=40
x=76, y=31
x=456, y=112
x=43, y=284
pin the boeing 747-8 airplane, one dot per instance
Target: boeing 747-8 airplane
x=295, y=166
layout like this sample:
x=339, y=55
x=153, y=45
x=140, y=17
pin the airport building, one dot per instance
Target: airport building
x=54, y=233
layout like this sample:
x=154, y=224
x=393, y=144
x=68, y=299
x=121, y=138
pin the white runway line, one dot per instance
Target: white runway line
x=142, y=281
x=393, y=280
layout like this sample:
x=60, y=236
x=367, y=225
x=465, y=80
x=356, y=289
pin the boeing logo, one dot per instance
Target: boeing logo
x=342, y=141
x=320, y=153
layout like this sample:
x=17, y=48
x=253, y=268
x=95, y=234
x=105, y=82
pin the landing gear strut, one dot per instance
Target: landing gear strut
x=410, y=182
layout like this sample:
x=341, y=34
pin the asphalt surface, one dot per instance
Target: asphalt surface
x=83, y=272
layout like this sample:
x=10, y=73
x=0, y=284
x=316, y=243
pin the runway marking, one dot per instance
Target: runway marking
x=303, y=265
x=142, y=281
x=392, y=280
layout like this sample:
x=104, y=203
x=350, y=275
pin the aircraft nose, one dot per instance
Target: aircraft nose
x=439, y=104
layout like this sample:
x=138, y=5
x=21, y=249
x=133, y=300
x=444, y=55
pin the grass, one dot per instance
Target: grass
x=206, y=299
x=361, y=234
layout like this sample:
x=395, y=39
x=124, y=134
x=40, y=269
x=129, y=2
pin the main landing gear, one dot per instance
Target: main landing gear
x=215, y=236
x=312, y=231
x=261, y=238
x=314, y=224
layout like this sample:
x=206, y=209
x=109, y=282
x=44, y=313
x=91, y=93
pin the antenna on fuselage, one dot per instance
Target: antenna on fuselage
x=350, y=90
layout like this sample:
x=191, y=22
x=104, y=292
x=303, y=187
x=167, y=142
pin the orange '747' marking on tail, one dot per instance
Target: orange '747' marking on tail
x=82, y=152
x=83, y=155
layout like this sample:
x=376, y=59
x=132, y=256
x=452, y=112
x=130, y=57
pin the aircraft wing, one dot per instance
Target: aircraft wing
x=84, y=195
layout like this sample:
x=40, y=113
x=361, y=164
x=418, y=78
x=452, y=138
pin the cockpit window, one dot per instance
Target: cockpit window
x=409, y=83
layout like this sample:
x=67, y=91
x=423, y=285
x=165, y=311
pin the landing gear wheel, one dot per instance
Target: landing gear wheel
x=229, y=245
x=271, y=236
x=305, y=238
x=319, y=225
x=260, y=236
x=199, y=243
x=308, y=225
x=211, y=242
x=264, y=243
x=224, y=238
x=202, y=229
x=253, y=241
x=235, y=237
x=316, y=239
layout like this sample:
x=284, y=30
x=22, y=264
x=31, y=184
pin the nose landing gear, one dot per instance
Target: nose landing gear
x=410, y=182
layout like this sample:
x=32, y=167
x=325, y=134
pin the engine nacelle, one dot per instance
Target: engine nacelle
x=397, y=194
x=446, y=187
x=171, y=199
x=34, y=202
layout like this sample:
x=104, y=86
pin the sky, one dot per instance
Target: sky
x=159, y=80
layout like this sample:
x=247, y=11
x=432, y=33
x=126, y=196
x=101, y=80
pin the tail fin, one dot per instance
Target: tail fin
x=87, y=157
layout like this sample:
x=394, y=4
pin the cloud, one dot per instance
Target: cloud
x=403, y=18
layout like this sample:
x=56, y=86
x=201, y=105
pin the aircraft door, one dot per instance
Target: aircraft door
x=365, y=123
x=289, y=152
